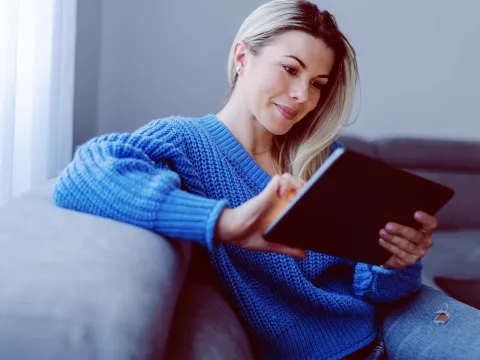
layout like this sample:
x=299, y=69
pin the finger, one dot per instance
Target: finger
x=286, y=181
x=394, y=263
x=391, y=264
x=271, y=190
x=299, y=184
x=429, y=222
x=405, y=232
x=282, y=190
x=269, y=197
x=289, y=185
x=283, y=249
x=401, y=254
x=403, y=243
x=427, y=241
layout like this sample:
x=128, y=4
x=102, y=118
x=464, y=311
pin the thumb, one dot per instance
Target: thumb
x=270, y=194
x=286, y=250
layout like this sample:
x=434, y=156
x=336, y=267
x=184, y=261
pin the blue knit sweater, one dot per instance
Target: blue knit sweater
x=175, y=176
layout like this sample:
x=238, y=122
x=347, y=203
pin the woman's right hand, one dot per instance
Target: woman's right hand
x=244, y=225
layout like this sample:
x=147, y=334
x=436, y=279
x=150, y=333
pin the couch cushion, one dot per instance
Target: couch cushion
x=357, y=144
x=454, y=254
x=205, y=326
x=76, y=286
x=460, y=156
x=463, y=211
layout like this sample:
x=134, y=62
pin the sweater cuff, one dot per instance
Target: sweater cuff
x=377, y=283
x=363, y=280
x=186, y=216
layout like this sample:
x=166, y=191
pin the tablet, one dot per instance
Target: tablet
x=342, y=207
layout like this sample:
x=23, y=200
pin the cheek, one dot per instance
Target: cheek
x=312, y=104
x=268, y=85
x=314, y=99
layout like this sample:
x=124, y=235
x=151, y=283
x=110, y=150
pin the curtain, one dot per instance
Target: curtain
x=37, y=53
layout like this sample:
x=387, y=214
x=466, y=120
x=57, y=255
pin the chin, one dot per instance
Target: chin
x=275, y=123
x=277, y=128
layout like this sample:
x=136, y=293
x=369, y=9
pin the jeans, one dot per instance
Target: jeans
x=412, y=330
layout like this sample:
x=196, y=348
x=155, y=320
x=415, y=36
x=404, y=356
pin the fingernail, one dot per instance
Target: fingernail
x=390, y=227
x=418, y=215
x=383, y=233
x=381, y=241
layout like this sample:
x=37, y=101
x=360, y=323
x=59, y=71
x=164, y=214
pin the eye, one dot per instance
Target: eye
x=317, y=85
x=290, y=70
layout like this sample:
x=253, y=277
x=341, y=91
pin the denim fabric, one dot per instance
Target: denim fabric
x=373, y=351
x=411, y=332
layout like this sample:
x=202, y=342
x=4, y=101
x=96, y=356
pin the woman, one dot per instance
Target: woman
x=217, y=180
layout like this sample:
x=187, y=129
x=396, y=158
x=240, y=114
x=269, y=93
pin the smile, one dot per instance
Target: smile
x=286, y=112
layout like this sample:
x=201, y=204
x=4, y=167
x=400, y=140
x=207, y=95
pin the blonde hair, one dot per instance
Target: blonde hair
x=303, y=149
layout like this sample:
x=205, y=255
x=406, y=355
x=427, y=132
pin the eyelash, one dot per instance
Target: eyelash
x=293, y=72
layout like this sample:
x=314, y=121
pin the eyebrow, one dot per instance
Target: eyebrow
x=302, y=64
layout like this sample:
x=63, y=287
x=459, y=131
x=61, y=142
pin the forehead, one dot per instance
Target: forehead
x=314, y=52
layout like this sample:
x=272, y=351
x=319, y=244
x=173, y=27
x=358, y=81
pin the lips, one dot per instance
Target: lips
x=287, y=112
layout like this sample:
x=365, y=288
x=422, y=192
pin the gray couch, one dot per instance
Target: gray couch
x=75, y=286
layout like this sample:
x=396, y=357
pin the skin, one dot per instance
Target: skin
x=272, y=78
x=291, y=72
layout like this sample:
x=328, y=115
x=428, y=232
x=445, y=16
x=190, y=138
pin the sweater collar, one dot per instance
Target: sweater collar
x=232, y=148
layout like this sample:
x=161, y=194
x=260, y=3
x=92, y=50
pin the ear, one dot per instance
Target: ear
x=240, y=55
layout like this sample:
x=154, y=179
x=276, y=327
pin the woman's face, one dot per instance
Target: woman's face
x=283, y=83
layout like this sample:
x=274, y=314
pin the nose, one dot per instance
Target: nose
x=299, y=92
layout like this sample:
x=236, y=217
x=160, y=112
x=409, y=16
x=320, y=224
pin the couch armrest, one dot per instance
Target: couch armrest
x=76, y=286
x=205, y=326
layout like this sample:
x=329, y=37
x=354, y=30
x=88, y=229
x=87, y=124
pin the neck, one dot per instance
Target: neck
x=245, y=127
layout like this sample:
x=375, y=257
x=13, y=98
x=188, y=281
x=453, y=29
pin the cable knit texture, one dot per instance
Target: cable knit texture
x=175, y=176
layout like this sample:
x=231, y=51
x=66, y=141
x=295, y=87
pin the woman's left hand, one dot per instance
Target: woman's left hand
x=408, y=245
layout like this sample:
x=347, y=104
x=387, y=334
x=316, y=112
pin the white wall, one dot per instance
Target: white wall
x=419, y=66
x=87, y=69
x=418, y=63
x=164, y=57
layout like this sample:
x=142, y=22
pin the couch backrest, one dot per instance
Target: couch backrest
x=452, y=163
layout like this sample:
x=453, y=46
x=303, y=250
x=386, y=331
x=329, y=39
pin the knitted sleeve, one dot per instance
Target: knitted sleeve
x=141, y=179
x=386, y=285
